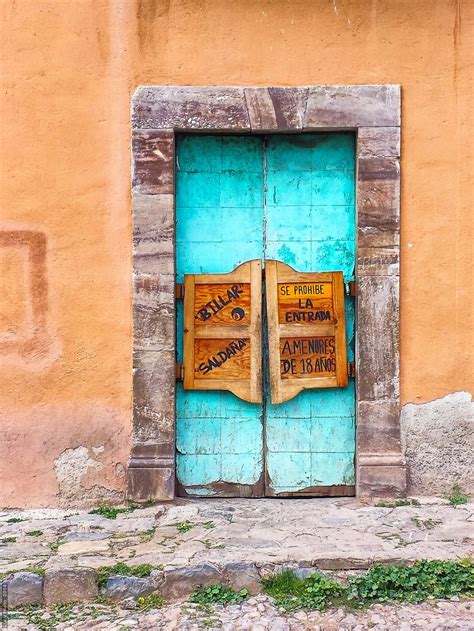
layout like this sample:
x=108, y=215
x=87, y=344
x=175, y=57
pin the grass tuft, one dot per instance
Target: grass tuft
x=396, y=503
x=314, y=592
x=456, y=496
x=111, y=512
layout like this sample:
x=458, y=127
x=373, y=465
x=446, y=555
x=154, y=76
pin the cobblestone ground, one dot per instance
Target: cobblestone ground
x=258, y=614
x=327, y=533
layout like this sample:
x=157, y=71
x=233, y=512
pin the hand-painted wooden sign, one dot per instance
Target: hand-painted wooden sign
x=222, y=336
x=306, y=330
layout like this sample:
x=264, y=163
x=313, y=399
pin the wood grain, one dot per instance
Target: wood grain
x=305, y=357
x=222, y=358
x=302, y=303
x=306, y=330
x=225, y=304
x=222, y=351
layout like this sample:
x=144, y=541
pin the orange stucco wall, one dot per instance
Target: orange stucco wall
x=69, y=69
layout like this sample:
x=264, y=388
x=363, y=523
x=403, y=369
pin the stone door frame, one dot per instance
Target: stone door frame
x=373, y=113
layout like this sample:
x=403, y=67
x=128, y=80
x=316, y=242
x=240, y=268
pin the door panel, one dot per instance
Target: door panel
x=219, y=224
x=310, y=221
x=289, y=198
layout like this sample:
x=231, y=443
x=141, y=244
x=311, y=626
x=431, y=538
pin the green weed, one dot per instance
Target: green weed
x=314, y=592
x=208, y=525
x=15, y=520
x=382, y=583
x=218, y=594
x=397, y=503
x=151, y=601
x=8, y=540
x=184, y=526
x=56, y=615
x=422, y=580
x=212, y=546
x=34, y=533
x=425, y=523
x=457, y=496
x=148, y=535
x=111, y=512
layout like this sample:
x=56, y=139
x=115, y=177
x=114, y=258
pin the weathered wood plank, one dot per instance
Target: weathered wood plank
x=229, y=357
x=305, y=357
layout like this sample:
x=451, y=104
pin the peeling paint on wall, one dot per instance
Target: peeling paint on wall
x=71, y=468
x=438, y=440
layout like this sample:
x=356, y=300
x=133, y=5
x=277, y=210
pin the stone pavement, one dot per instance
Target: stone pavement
x=258, y=614
x=234, y=541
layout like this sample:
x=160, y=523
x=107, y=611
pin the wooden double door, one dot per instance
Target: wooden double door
x=283, y=197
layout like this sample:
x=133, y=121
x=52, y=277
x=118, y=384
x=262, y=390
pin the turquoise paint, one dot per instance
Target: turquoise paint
x=219, y=224
x=299, y=208
x=311, y=226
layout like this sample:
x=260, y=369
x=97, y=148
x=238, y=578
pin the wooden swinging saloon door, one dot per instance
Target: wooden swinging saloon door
x=265, y=242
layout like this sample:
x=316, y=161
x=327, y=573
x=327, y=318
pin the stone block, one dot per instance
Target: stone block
x=378, y=142
x=378, y=261
x=24, y=588
x=381, y=481
x=73, y=585
x=242, y=575
x=154, y=382
x=378, y=427
x=378, y=338
x=378, y=212
x=153, y=234
x=153, y=161
x=181, y=582
x=151, y=482
x=119, y=588
x=276, y=109
x=154, y=313
x=190, y=107
x=352, y=106
x=378, y=169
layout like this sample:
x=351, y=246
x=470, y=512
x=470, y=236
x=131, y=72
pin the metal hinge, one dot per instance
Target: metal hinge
x=179, y=372
x=179, y=292
x=351, y=369
x=351, y=288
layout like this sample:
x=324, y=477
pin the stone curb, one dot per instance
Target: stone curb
x=80, y=584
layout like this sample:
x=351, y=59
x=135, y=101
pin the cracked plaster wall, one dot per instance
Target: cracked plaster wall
x=438, y=440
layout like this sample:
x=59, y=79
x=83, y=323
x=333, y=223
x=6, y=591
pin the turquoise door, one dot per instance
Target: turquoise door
x=283, y=197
